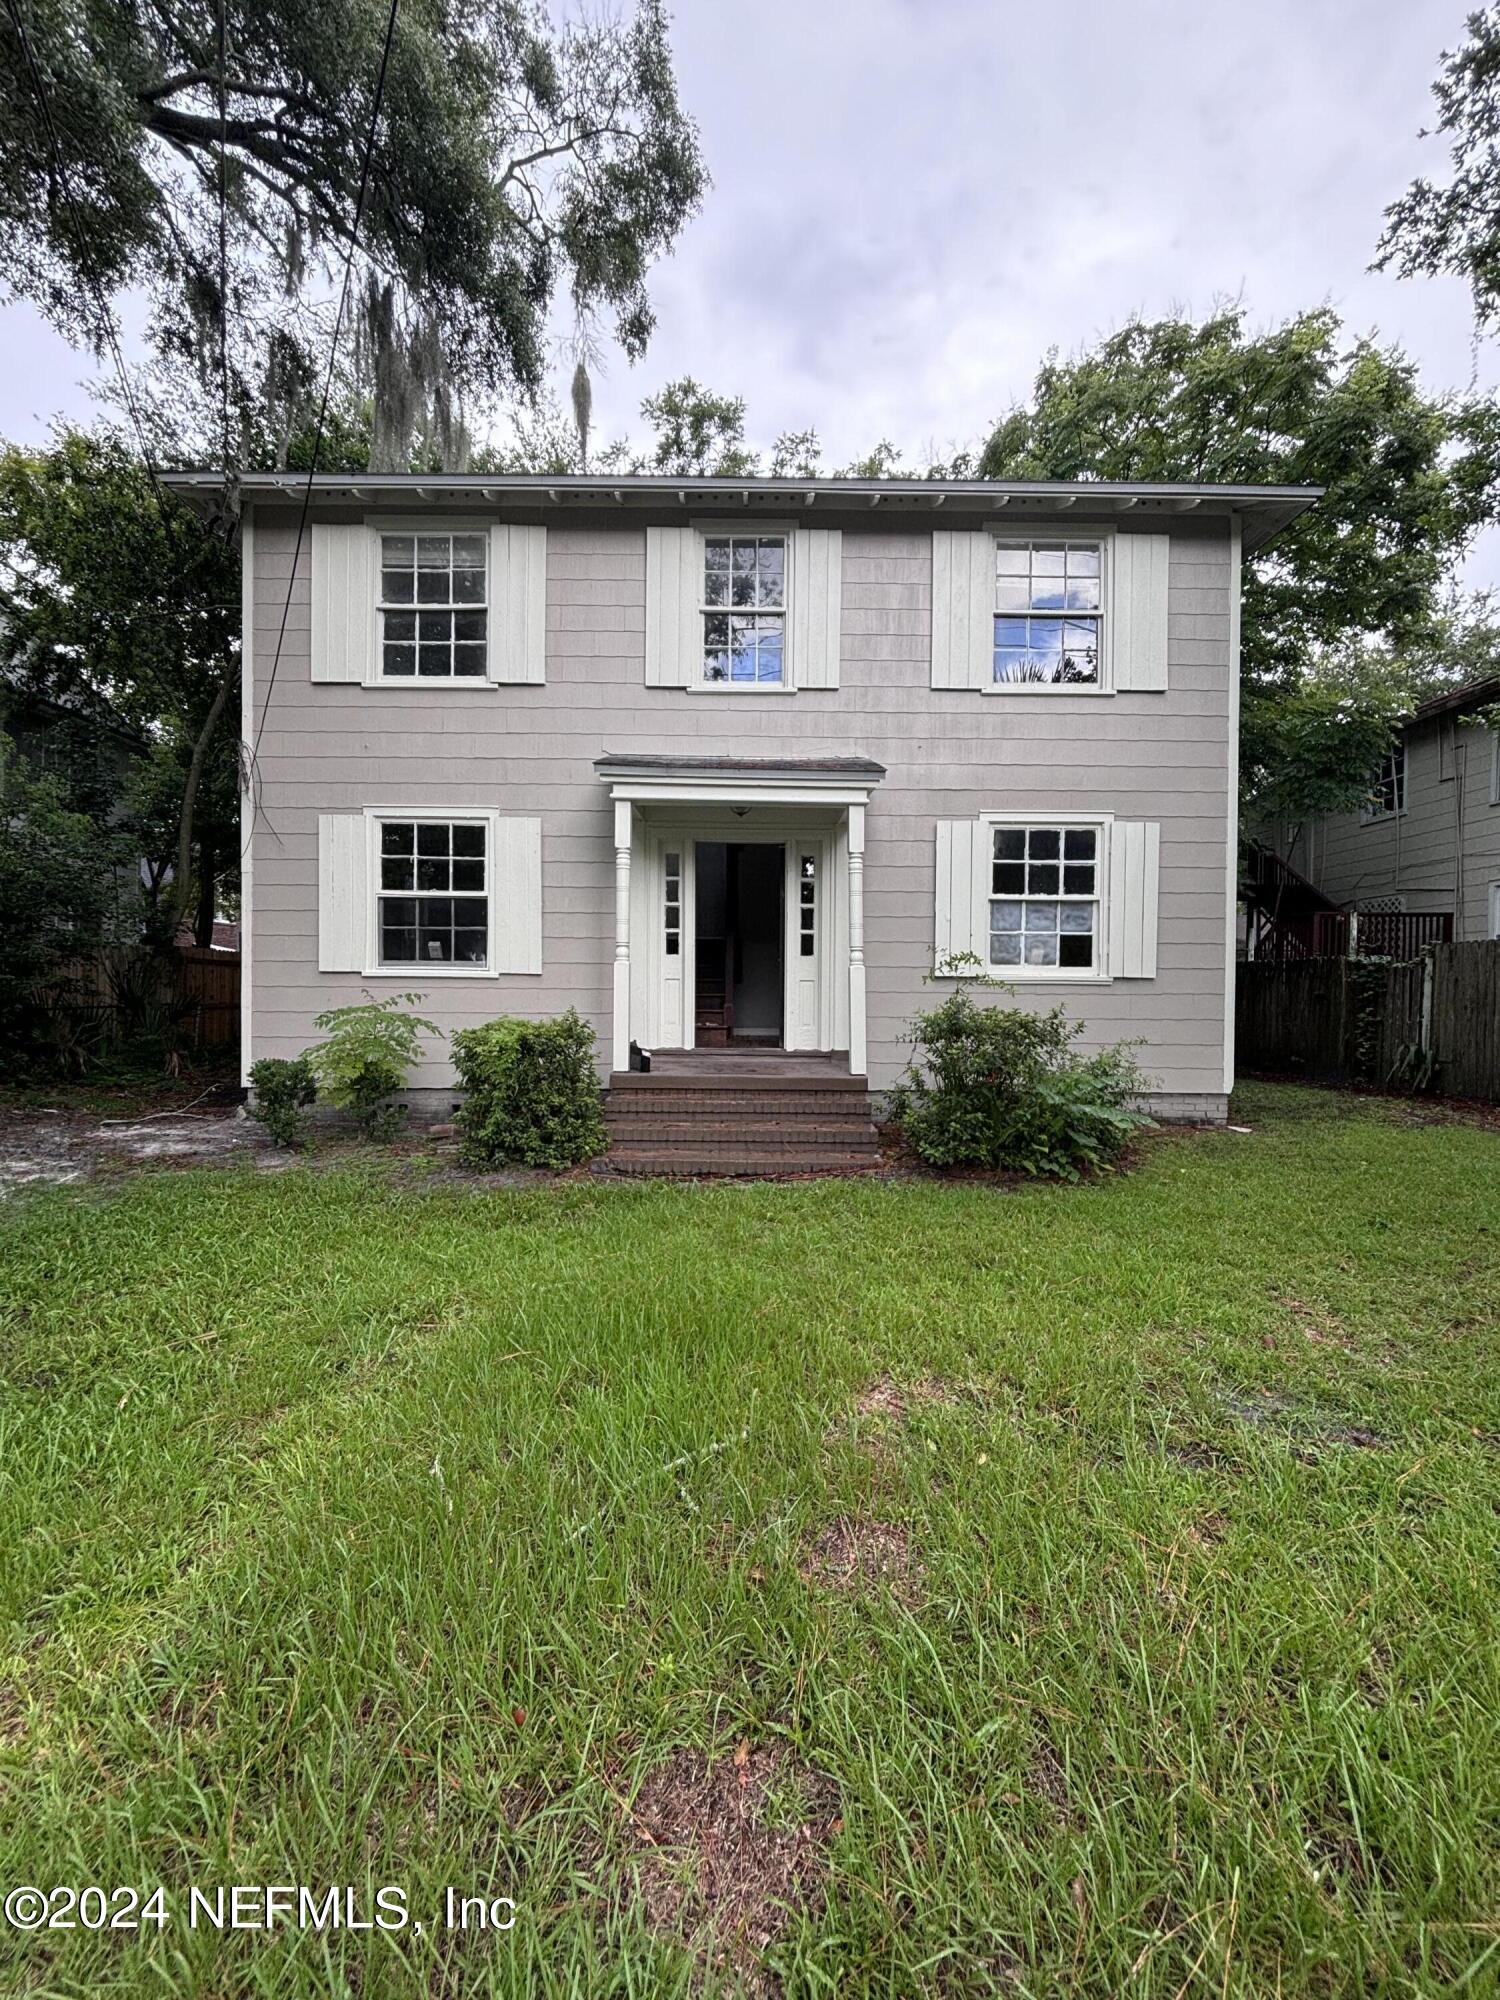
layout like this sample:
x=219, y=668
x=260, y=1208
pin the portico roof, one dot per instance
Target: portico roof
x=732, y=780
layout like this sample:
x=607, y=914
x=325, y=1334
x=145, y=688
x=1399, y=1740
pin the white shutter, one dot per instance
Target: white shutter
x=963, y=608
x=673, y=644
x=518, y=603
x=1140, y=612
x=516, y=897
x=343, y=602
x=343, y=892
x=1134, y=868
x=960, y=895
x=816, y=606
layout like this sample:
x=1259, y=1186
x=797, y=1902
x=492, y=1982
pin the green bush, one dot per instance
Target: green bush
x=532, y=1092
x=367, y=1058
x=282, y=1090
x=999, y=1087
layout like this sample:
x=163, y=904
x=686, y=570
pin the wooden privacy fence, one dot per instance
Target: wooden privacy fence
x=1432, y=1021
x=206, y=996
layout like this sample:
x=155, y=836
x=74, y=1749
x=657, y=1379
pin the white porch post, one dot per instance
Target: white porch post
x=857, y=1053
x=623, y=816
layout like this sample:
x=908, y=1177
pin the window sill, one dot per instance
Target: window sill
x=732, y=688
x=418, y=972
x=1021, y=975
x=1381, y=819
x=432, y=686
x=1047, y=693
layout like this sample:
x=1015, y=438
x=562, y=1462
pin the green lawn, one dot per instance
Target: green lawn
x=365, y=1530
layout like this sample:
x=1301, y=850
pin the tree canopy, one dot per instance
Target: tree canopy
x=512, y=158
x=120, y=604
x=1454, y=227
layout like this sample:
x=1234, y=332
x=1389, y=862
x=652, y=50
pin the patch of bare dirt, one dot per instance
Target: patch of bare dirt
x=886, y=1397
x=725, y=1848
x=863, y=1556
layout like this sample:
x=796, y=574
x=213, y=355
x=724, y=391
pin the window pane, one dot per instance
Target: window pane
x=432, y=586
x=1010, y=878
x=1043, y=843
x=1078, y=878
x=468, y=911
x=399, y=660
x=398, y=946
x=398, y=837
x=397, y=586
x=468, y=586
x=468, y=625
x=672, y=944
x=467, y=839
x=1010, y=843
x=716, y=572
x=397, y=551
x=1041, y=950
x=469, y=947
x=742, y=573
x=1047, y=560
x=1078, y=843
x=433, y=551
x=470, y=662
x=1041, y=916
x=434, y=662
x=1010, y=561
x=771, y=562
x=716, y=647
x=1075, y=950
x=1005, y=950
x=433, y=626
x=1083, y=562
x=807, y=946
x=400, y=625
x=468, y=874
x=1012, y=593
x=770, y=649
x=1005, y=916
x=1042, y=878
x=1075, y=917
x=433, y=837
x=433, y=873
x=468, y=551
x=396, y=872
x=1082, y=594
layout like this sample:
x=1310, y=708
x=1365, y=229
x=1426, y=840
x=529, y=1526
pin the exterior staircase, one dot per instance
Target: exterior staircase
x=712, y=1123
x=1288, y=915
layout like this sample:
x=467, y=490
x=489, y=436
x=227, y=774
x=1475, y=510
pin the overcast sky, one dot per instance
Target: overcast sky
x=914, y=199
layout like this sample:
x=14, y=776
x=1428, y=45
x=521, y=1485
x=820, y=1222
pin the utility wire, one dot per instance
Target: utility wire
x=312, y=468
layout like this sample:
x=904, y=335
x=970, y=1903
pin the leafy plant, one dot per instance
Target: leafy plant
x=367, y=1057
x=1001, y=1087
x=283, y=1088
x=532, y=1092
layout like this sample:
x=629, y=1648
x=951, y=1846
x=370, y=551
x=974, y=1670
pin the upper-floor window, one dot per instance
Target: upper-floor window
x=434, y=607
x=1387, y=787
x=1049, y=613
x=1044, y=898
x=743, y=610
x=432, y=901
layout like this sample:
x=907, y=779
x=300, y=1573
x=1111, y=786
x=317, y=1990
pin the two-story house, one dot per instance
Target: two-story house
x=1420, y=859
x=736, y=766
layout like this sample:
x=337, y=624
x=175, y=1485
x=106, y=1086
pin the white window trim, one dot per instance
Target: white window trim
x=377, y=525
x=1377, y=815
x=1494, y=911
x=1097, y=974
x=1495, y=765
x=717, y=530
x=418, y=969
x=1010, y=534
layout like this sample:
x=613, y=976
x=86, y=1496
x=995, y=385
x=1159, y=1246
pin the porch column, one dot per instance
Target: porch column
x=621, y=1048
x=857, y=1054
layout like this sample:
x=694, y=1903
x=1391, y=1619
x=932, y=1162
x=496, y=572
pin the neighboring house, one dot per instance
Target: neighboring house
x=1426, y=845
x=737, y=764
x=93, y=759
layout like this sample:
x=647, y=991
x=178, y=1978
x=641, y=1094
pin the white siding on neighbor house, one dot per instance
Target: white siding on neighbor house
x=528, y=750
x=1441, y=854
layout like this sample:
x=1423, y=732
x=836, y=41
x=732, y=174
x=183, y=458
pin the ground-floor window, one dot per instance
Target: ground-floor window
x=1044, y=897
x=433, y=895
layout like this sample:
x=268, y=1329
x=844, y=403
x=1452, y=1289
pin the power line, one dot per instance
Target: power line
x=312, y=468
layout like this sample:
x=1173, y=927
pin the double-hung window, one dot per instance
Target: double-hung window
x=434, y=607
x=1049, y=613
x=432, y=902
x=1045, y=897
x=1387, y=795
x=742, y=610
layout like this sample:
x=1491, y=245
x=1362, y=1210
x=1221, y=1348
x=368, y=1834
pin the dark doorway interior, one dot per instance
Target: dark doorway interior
x=738, y=979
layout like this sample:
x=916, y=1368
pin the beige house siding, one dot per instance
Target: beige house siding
x=1162, y=757
x=1441, y=854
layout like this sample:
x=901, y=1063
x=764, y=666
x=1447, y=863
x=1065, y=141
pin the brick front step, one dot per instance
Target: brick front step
x=693, y=1128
